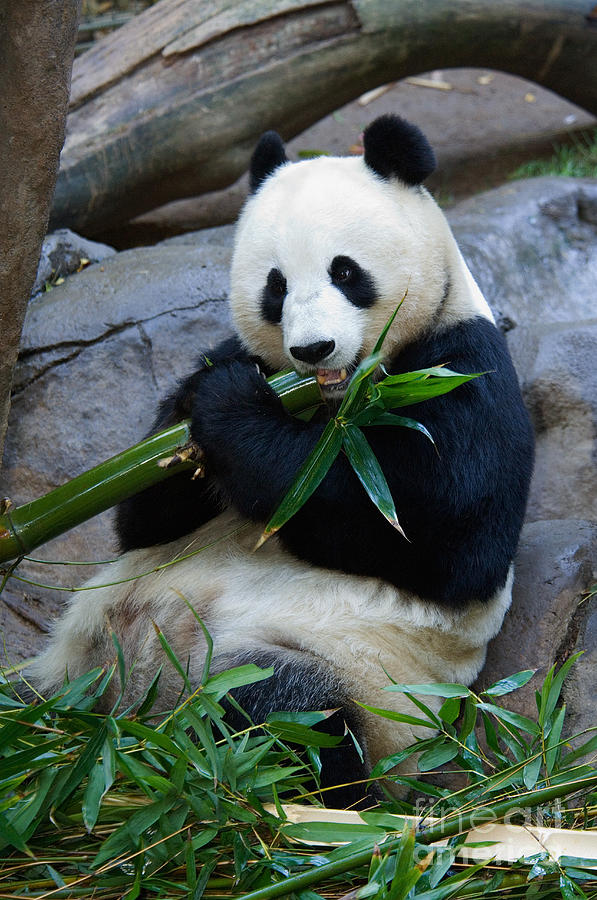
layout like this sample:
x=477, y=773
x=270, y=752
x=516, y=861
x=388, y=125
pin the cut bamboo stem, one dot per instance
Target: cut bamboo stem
x=23, y=528
x=457, y=824
x=509, y=843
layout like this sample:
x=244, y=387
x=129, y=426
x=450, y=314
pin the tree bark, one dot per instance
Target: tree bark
x=170, y=106
x=37, y=41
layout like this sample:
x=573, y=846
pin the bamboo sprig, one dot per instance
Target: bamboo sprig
x=367, y=401
x=23, y=528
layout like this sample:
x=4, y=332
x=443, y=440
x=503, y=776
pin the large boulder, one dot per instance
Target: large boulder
x=100, y=350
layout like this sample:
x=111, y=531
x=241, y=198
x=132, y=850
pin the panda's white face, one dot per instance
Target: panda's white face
x=325, y=250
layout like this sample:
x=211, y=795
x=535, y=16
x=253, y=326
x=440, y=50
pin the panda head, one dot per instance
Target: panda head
x=326, y=248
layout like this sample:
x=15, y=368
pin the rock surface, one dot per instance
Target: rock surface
x=63, y=252
x=100, y=350
x=549, y=618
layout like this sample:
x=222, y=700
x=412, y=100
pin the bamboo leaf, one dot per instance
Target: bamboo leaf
x=552, y=743
x=519, y=721
x=390, y=762
x=420, y=375
x=30, y=812
x=150, y=694
x=437, y=756
x=374, y=414
x=150, y=735
x=450, y=710
x=434, y=690
x=509, y=684
x=173, y=658
x=237, y=677
x=388, y=821
x=308, y=479
x=361, y=378
x=530, y=773
x=397, y=716
x=589, y=746
x=127, y=836
x=198, y=888
x=388, y=325
x=369, y=473
x=333, y=832
x=556, y=687
x=92, y=796
x=269, y=775
x=395, y=393
x=301, y=734
x=358, y=385
x=11, y=837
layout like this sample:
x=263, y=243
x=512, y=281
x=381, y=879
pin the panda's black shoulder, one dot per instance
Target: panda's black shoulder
x=476, y=341
x=493, y=401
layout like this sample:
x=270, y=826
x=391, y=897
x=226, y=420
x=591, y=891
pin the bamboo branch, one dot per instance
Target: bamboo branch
x=23, y=528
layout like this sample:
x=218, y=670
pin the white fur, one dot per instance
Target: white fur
x=310, y=212
x=268, y=599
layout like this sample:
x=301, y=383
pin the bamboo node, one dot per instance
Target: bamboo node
x=190, y=452
x=5, y=504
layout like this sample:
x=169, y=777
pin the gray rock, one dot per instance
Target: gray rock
x=561, y=394
x=98, y=353
x=532, y=246
x=549, y=618
x=62, y=253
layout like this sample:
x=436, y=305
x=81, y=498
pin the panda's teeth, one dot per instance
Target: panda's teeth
x=331, y=376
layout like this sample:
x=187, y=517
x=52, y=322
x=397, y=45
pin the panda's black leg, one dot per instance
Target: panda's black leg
x=302, y=681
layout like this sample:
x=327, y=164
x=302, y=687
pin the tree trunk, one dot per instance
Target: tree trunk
x=37, y=41
x=170, y=106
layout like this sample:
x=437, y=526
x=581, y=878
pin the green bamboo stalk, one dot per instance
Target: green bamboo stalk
x=23, y=528
x=453, y=825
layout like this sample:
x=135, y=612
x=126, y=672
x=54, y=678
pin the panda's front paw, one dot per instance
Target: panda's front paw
x=231, y=398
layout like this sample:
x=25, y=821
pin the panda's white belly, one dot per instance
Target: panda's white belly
x=267, y=599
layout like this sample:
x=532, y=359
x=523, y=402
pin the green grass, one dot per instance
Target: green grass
x=578, y=160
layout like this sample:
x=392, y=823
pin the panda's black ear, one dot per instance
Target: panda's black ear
x=267, y=156
x=395, y=147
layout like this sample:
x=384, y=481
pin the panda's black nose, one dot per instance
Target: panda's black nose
x=313, y=353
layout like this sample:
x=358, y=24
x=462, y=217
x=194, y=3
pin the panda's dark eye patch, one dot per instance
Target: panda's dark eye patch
x=356, y=284
x=272, y=297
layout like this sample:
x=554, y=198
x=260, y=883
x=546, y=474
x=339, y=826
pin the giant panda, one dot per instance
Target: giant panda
x=338, y=600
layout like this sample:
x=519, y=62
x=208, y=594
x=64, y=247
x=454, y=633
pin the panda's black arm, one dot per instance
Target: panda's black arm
x=178, y=505
x=461, y=506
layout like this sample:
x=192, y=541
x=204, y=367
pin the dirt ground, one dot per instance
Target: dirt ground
x=482, y=125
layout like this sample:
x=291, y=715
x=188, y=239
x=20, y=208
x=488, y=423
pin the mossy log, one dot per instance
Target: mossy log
x=170, y=105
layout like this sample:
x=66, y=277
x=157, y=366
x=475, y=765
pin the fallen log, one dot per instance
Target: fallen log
x=171, y=105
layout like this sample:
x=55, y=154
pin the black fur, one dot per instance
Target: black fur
x=177, y=505
x=461, y=506
x=356, y=284
x=272, y=297
x=303, y=682
x=395, y=147
x=268, y=155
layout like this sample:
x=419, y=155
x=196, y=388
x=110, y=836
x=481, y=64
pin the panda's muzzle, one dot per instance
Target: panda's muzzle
x=313, y=353
x=318, y=352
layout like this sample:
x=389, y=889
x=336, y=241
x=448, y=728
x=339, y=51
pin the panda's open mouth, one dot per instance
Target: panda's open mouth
x=334, y=381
